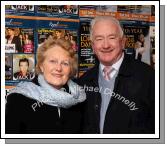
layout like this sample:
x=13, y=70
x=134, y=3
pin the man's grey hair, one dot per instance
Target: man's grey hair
x=101, y=18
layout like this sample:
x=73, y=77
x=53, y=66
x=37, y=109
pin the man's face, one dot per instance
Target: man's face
x=10, y=32
x=24, y=67
x=107, y=42
x=58, y=34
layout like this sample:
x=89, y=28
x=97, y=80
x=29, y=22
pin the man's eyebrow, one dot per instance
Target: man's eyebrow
x=101, y=36
x=112, y=34
x=98, y=36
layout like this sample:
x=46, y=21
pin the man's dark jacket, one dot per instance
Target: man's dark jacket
x=134, y=89
x=17, y=43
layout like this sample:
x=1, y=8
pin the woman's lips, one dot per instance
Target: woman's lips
x=57, y=75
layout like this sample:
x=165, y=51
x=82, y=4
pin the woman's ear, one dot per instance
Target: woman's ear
x=41, y=68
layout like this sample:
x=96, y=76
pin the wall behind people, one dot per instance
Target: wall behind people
x=70, y=24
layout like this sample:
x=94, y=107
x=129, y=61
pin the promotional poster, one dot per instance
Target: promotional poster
x=137, y=40
x=86, y=55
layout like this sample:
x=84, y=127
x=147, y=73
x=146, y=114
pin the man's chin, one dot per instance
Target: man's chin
x=107, y=62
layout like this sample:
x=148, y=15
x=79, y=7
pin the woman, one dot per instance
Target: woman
x=51, y=103
x=74, y=44
x=28, y=46
x=140, y=47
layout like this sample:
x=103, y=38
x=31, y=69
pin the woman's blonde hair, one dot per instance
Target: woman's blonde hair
x=64, y=44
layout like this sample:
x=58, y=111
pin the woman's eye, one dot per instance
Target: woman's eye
x=52, y=61
x=65, y=63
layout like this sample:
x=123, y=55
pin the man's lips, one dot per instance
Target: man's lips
x=106, y=51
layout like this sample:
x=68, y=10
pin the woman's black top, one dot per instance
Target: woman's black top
x=27, y=116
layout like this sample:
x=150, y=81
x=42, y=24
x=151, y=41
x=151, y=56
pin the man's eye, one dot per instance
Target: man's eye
x=99, y=39
x=112, y=37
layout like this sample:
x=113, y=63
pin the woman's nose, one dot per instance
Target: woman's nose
x=58, y=67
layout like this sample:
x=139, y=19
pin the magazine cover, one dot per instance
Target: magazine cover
x=64, y=11
x=12, y=40
x=43, y=35
x=27, y=40
x=87, y=11
x=68, y=11
x=70, y=35
x=23, y=67
x=19, y=10
x=86, y=55
x=135, y=9
x=106, y=10
x=19, y=40
x=137, y=41
x=8, y=66
x=48, y=10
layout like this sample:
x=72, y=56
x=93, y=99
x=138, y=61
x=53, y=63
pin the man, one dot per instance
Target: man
x=58, y=34
x=23, y=73
x=12, y=39
x=120, y=90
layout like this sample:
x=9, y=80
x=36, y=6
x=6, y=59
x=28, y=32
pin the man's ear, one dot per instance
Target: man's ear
x=123, y=41
x=92, y=45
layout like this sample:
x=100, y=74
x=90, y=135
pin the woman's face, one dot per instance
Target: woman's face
x=26, y=36
x=56, y=66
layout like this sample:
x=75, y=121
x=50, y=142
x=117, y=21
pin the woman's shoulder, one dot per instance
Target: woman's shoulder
x=35, y=80
x=17, y=99
x=20, y=99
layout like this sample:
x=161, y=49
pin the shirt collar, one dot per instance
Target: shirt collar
x=116, y=65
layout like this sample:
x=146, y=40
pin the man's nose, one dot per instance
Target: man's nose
x=106, y=44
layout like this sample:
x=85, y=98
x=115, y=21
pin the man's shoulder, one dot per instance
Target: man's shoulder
x=16, y=74
x=136, y=65
x=141, y=66
x=91, y=73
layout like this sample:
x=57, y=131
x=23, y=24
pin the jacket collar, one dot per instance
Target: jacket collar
x=93, y=75
x=126, y=68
